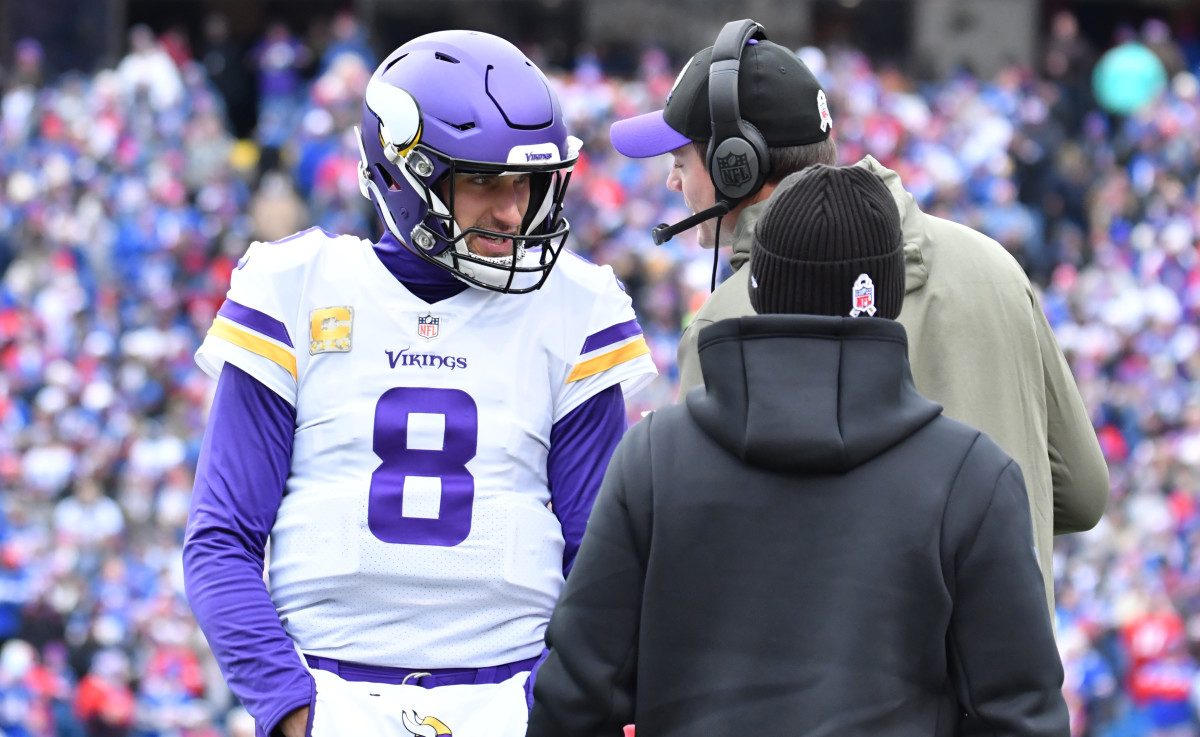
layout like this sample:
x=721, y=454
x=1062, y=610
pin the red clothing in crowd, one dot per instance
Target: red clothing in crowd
x=1151, y=636
x=106, y=708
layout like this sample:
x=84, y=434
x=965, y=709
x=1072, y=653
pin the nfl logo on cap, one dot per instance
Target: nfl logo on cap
x=427, y=326
x=864, y=296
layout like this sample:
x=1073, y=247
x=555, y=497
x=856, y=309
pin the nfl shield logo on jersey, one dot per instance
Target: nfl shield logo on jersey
x=864, y=296
x=427, y=326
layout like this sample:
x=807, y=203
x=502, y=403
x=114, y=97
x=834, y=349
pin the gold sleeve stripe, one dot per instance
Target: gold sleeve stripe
x=254, y=344
x=593, y=366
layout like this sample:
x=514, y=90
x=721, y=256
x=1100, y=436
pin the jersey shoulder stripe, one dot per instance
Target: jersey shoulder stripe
x=256, y=321
x=258, y=326
x=601, y=350
x=613, y=348
x=605, y=361
x=610, y=335
x=235, y=334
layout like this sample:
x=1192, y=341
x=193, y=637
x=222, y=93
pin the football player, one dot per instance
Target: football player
x=418, y=425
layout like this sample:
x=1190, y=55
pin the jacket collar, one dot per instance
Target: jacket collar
x=743, y=233
x=912, y=221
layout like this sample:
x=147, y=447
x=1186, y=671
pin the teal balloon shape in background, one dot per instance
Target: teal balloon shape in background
x=1128, y=78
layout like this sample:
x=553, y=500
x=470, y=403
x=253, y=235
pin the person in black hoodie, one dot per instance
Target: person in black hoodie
x=810, y=547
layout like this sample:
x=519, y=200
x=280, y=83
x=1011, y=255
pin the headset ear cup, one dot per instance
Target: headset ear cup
x=738, y=166
x=733, y=166
x=737, y=158
x=759, y=143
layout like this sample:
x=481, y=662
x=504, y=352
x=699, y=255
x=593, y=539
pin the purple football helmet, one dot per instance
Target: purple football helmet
x=456, y=102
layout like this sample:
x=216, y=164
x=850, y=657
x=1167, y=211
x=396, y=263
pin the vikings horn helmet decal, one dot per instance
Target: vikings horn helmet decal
x=456, y=102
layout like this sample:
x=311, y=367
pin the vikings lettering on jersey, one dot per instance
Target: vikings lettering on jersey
x=414, y=526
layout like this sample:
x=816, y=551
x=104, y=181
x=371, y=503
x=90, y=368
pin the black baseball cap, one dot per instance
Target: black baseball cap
x=777, y=93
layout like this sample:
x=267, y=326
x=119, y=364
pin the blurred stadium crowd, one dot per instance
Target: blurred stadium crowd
x=126, y=200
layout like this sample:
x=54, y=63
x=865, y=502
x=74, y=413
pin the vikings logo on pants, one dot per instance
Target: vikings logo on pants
x=354, y=708
x=427, y=727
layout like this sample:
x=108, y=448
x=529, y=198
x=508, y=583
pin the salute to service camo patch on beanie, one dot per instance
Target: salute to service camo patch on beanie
x=829, y=243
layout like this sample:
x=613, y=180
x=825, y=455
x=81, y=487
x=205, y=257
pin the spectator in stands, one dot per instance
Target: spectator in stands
x=225, y=63
x=148, y=72
x=279, y=60
x=104, y=703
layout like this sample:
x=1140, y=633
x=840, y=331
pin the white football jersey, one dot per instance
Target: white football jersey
x=414, y=531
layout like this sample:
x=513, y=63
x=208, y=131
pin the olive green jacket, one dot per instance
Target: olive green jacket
x=980, y=345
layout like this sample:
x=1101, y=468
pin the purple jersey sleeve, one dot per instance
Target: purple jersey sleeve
x=580, y=445
x=244, y=462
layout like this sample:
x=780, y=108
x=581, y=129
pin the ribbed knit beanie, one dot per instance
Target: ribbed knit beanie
x=829, y=243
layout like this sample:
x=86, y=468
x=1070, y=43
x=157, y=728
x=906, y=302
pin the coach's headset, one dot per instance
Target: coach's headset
x=737, y=159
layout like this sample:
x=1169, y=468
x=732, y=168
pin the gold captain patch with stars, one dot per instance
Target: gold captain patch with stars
x=330, y=330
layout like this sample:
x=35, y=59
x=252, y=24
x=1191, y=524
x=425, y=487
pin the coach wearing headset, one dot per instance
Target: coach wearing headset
x=810, y=547
x=746, y=113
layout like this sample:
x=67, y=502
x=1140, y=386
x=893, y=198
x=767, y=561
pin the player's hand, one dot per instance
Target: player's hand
x=295, y=724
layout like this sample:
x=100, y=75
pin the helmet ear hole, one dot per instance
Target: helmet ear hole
x=387, y=178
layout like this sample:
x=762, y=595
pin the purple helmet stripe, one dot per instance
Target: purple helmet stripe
x=610, y=335
x=251, y=318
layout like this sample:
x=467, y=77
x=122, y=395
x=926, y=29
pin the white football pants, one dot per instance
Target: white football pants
x=361, y=709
